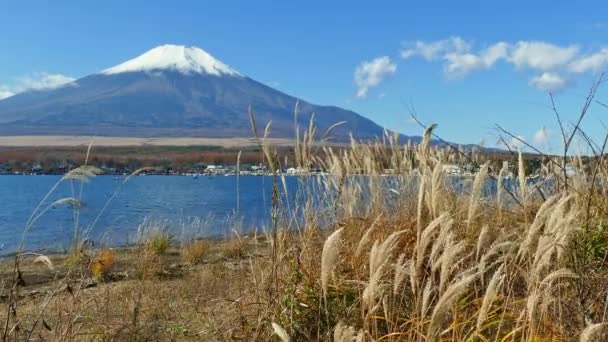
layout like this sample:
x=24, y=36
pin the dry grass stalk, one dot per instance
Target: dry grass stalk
x=595, y=333
x=521, y=176
x=329, y=258
x=280, y=332
x=460, y=258
x=446, y=302
x=490, y=295
x=476, y=193
x=344, y=333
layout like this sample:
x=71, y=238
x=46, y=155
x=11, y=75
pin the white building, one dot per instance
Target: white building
x=451, y=169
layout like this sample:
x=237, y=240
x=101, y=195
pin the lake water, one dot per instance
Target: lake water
x=186, y=206
x=206, y=206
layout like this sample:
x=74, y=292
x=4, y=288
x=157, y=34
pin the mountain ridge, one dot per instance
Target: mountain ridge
x=171, y=91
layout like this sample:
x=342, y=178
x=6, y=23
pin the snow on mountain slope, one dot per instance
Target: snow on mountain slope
x=180, y=58
x=171, y=91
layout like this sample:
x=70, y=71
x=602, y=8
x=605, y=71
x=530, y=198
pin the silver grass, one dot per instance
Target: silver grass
x=497, y=248
x=449, y=262
x=69, y=201
x=485, y=238
x=425, y=239
x=279, y=331
x=329, y=257
x=424, y=146
x=43, y=259
x=490, y=295
x=476, y=192
x=559, y=274
x=500, y=190
x=82, y=173
x=344, y=333
x=436, y=188
x=521, y=175
x=402, y=269
x=427, y=295
x=420, y=208
x=440, y=242
x=366, y=237
x=379, y=258
x=595, y=333
x=374, y=288
x=381, y=253
x=500, y=184
x=413, y=277
x=535, y=229
x=531, y=305
x=446, y=302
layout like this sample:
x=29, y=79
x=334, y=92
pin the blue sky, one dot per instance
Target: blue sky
x=465, y=65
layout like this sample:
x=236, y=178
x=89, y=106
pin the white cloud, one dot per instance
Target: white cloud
x=435, y=50
x=4, y=93
x=371, y=74
x=541, y=56
x=461, y=64
x=595, y=62
x=542, y=136
x=34, y=81
x=548, y=81
x=556, y=65
x=495, y=52
x=517, y=143
x=42, y=81
x=460, y=59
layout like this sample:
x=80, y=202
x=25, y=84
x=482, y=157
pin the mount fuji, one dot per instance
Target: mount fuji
x=170, y=91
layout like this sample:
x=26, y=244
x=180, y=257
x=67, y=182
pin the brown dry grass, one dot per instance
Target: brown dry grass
x=418, y=256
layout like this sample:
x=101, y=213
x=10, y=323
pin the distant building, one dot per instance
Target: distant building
x=5, y=168
x=199, y=167
x=570, y=170
x=37, y=168
x=259, y=167
x=216, y=169
x=108, y=170
x=296, y=171
x=451, y=169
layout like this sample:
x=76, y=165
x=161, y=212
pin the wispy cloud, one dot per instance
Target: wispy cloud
x=370, y=74
x=594, y=62
x=541, y=56
x=517, y=143
x=274, y=84
x=5, y=92
x=542, y=137
x=555, y=64
x=435, y=50
x=34, y=81
x=548, y=81
x=460, y=64
x=43, y=80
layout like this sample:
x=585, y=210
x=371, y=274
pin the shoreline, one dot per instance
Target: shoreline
x=118, y=141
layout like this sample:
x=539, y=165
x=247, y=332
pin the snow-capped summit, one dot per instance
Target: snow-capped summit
x=185, y=59
x=171, y=91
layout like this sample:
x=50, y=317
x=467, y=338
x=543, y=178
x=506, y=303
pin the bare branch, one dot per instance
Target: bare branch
x=529, y=145
x=559, y=120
